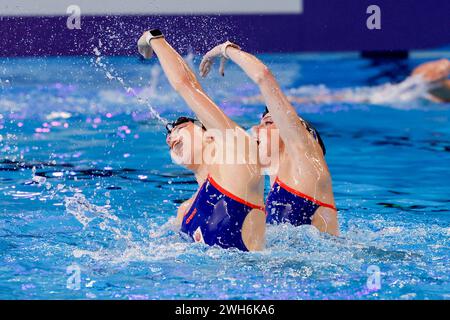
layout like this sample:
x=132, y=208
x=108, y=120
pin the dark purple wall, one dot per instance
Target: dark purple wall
x=325, y=25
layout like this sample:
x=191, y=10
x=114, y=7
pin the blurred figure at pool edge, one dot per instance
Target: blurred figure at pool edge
x=227, y=209
x=436, y=73
x=433, y=73
x=301, y=190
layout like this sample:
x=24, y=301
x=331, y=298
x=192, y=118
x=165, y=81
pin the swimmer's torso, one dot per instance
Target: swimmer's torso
x=301, y=187
x=217, y=217
x=286, y=204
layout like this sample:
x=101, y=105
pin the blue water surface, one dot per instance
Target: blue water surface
x=87, y=186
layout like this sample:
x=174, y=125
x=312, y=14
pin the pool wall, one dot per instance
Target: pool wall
x=288, y=26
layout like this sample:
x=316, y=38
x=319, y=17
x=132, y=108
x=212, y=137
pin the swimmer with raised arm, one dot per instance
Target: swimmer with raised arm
x=301, y=190
x=228, y=208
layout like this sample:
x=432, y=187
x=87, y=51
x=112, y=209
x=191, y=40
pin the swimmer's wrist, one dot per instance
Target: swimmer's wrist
x=153, y=34
x=226, y=45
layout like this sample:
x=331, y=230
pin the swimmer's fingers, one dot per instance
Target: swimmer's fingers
x=223, y=60
x=205, y=66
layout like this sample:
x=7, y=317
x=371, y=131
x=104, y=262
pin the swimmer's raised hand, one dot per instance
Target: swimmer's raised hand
x=434, y=70
x=217, y=51
x=144, y=46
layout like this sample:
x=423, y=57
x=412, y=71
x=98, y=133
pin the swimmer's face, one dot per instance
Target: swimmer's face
x=185, y=143
x=265, y=131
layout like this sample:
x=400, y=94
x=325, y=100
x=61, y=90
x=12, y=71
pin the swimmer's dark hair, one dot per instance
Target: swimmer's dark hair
x=311, y=130
x=180, y=120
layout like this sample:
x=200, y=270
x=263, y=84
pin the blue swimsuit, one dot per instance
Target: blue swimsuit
x=216, y=217
x=285, y=204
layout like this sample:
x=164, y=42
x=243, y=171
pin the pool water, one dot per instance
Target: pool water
x=88, y=190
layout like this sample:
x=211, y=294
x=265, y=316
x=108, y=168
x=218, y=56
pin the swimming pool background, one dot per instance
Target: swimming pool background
x=100, y=150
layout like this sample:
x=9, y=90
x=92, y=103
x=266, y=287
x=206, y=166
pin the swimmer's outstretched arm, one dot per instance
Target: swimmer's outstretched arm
x=281, y=110
x=183, y=80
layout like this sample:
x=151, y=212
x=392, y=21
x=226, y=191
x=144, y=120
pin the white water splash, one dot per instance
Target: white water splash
x=412, y=89
x=111, y=74
x=85, y=212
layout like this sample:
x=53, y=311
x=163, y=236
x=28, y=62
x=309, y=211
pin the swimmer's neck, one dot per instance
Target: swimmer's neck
x=201, y=173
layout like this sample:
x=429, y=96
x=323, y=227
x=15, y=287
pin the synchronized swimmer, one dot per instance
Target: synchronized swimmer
x=301, y=190
x=228, y=208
